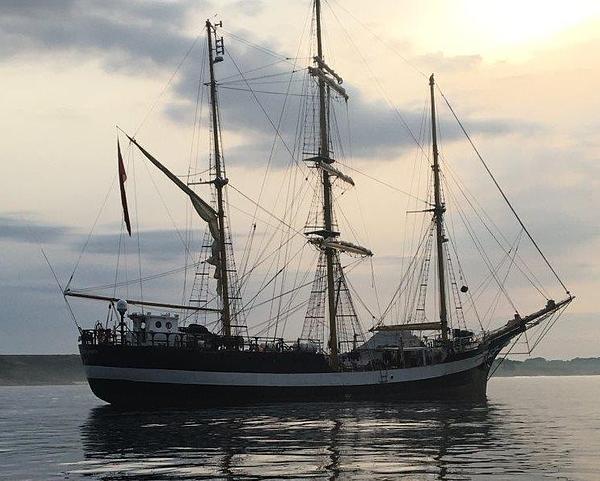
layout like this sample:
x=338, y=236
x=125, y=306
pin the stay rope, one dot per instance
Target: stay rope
x=483, y=162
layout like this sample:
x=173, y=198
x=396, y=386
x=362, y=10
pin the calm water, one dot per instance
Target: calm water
x=530, y=429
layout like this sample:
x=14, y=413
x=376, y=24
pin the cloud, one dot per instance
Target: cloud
x=16, y=229
x=135, y=35
x=128, y=34
x=376, y=129
x=379, y=132
x=249, y=7
x=155, y=245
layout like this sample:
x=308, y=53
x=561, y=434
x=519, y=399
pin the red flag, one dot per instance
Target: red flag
x=122, y=179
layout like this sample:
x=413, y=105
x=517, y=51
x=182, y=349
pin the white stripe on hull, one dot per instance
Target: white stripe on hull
x=353, y=378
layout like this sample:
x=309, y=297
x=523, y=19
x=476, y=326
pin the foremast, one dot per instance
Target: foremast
x=214, y=56
x=439, y=209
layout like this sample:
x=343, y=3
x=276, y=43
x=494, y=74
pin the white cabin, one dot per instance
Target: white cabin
x=151, y=328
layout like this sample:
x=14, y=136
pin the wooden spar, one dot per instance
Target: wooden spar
x=327, y=207
x=521, y=324
x=139, y=303
x=438, y=213
x=219, y=183
x=317, y=72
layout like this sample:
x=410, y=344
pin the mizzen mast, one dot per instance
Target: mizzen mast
x=214, y=56
x=438, y=213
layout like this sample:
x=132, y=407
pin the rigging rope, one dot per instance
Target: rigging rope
x=482, y=253
x=474, y=204
x=137, y=228
x=502, y=193
x=275, y=128
x=167, y=85
x=38, y=241
x=266, y=211
x=62, y=292
x=89, y=237
x=376, y=80
x=494, y=305
x=263, y=49
x=268, y=92
x=549, y=326
x=135, y=281
x=379, y=39
x=193, y=158
x=504, y=357
x=232, y=76
x=375, y=179
x=251, y=79
x=177, y=231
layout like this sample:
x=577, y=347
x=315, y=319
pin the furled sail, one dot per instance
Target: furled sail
x=342, y=246
x=204, y=210
x=335, y=172
x=332, y=84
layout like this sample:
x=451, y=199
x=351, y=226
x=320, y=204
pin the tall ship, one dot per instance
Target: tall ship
x=225, y=343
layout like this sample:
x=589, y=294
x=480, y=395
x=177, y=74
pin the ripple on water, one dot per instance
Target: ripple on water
x=530, y=429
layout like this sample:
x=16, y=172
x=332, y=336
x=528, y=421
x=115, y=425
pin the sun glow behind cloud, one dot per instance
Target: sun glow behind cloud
x=517, y=21
x=497, y=29
x=508, y=23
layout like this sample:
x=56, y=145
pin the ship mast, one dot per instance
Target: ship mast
x=438, y=214
x=327, y=207
x=219, y=181
x=330, y=302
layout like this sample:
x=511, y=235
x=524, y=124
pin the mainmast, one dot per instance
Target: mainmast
x=438, y=214
x=219, y=181
x=327, y=207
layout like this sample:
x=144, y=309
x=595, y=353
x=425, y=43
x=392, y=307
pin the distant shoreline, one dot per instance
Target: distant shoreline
x=538, y=366
x=41, y=370
x=66, y=369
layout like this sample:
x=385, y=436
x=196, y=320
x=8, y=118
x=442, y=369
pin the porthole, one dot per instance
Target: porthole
x=169, y=325
x=158, y=324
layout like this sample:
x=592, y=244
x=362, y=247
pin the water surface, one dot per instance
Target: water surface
x=529, y=429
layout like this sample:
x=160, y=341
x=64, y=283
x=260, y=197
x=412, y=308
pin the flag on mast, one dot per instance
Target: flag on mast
x=122, y=179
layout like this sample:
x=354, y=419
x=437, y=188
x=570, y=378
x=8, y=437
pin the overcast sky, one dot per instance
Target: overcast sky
x=522, y=75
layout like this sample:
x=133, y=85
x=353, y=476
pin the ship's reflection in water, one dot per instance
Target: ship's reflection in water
x=319, y=441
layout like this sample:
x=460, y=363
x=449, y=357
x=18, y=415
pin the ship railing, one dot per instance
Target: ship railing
x=197, y=341
x=99, y=336
x=270, y=344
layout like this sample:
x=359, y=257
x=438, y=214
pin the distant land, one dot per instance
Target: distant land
x=538, y=366
x=32, y=370
x=21, y=370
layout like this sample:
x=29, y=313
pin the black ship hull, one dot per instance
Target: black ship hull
x=152, y=376
x=468, y=385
